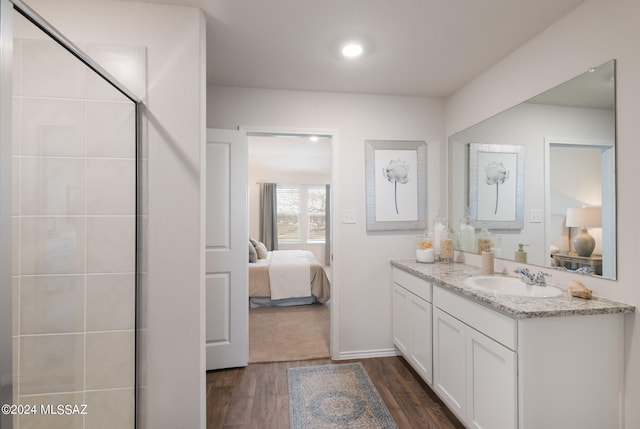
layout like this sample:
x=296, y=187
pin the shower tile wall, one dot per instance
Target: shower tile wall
x=74, y=237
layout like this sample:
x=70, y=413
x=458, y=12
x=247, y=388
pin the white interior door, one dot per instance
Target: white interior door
x=226, y=253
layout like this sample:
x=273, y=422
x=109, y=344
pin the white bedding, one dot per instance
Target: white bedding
x=289, y=274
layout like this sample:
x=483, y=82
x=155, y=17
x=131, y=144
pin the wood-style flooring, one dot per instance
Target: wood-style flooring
x=257, y=397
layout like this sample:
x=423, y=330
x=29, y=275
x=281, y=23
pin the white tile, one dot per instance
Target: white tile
x=52, y=245
x=51, y=363
x=110, y=409
x=110, y=360
x=111, y=244
x=48, y=70
x=53, y=186
x=51, y=304
x=15, y=344
x=15, y=186
x=112, y=129
x=16, y=66
x=53, y=127
x=111, y=187
x=15, y=376
x=15, y=245
x=16, y=126
x=110, y=302
x=15, y=306
x=49, y=421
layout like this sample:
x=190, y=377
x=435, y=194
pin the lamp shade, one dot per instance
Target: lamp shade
x=584, y=217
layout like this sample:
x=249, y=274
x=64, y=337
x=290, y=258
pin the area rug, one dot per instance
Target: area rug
x=279, y=334
x=335, y=396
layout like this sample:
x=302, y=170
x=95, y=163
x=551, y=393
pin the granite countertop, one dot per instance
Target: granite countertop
x=452, y=276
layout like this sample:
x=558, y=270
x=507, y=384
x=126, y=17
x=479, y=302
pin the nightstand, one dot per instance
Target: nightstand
x=572, y=261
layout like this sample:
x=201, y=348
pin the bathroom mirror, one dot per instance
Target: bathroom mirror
x=534, y=163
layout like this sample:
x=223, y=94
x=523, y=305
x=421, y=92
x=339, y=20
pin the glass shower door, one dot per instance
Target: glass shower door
x=74, y=240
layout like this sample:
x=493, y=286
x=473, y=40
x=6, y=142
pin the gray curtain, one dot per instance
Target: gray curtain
x=327, y=226
x=268, y=216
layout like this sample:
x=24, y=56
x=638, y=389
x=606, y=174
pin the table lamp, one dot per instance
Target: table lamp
x=584, y=217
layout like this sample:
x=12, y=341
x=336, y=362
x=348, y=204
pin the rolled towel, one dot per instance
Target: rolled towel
x=579, y=290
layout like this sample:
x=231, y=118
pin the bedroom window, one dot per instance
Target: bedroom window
x=301, y=213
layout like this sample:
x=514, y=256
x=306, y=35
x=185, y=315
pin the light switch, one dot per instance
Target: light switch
x=535, y=216
x=348, y=216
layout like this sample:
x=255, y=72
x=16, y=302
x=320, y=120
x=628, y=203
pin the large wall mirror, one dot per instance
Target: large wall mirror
x=542, y=174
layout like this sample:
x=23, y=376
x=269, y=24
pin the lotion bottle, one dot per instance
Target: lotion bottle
x=487, y=261
x=520, y=254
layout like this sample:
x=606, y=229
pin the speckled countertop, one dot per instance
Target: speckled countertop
x=452, y=276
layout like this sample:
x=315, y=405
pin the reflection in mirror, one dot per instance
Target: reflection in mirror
x=566, y=137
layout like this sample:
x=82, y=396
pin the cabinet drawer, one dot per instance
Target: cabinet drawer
x=501, y=328
x=413, y=284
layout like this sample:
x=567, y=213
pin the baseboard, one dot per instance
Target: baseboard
x=366, y=354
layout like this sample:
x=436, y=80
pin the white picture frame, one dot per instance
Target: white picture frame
x=396, y=185
x=496, y=186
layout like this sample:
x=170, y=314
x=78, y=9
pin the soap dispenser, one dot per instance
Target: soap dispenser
x=487, y=260
x=520, y=254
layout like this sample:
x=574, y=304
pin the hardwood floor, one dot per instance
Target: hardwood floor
x=257, y=397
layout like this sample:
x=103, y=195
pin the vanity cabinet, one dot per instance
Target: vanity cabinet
x=474, y=374
x=412, y=318
x=550, y=363
x=449, y=356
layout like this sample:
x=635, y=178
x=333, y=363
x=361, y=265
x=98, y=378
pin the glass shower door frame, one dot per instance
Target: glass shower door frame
x=7, y=8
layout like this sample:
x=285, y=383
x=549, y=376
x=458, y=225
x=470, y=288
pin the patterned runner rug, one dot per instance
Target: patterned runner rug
x=335, y=396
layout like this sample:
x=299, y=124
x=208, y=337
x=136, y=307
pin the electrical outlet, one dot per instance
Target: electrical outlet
x=535, y=216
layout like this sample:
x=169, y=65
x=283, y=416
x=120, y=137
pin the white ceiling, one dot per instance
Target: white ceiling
x=594, y=88
x=417, y=47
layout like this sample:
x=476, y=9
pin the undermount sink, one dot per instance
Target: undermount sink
x=511, y=286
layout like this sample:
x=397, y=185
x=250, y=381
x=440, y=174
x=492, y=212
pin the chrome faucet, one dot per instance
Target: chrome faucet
x=531, y=279
x=525, y=275
x=539, y=279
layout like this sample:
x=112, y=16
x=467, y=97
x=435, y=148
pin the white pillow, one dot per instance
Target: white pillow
x=262, y=251
x=253, y=254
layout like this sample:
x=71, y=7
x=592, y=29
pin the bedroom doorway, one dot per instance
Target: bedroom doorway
x=290, y=217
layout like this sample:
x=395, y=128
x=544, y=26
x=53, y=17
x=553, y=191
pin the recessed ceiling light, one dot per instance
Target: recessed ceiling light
x=314, y=138
x=352, y=50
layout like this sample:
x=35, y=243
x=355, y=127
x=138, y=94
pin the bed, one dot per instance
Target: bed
x=287, y=277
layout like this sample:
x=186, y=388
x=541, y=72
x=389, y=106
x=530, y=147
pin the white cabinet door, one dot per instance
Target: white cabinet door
x=421, y=345
x=491, y=383
x=449, y=361
x=401, y=319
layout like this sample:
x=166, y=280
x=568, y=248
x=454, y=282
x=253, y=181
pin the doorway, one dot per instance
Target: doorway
x=297, y=164
x=583, y=174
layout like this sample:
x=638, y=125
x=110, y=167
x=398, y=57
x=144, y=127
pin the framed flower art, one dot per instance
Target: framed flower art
x=396, y=181
x=496, y=186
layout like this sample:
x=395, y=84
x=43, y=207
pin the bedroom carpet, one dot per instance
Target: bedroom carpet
x=279, y=334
